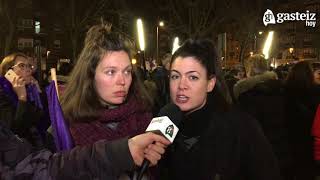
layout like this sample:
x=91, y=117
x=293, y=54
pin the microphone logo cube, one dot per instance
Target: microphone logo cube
x=164, y=126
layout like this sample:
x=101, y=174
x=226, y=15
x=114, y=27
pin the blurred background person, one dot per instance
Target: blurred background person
x=262, y=96
x=232, y=77
x=160, y=76
x=20, y=105
x=303, y=97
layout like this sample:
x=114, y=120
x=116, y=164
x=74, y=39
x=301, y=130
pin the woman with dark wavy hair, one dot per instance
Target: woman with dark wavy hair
x=303, y=97
x=215, y=141
x=103, y=98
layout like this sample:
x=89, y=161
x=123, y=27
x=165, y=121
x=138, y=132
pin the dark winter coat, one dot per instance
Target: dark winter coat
x=160, y=76
x=102, y=160
x=267, y=104
x=226, y=145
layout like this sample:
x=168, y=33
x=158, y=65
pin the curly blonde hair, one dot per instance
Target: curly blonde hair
x=256, y=65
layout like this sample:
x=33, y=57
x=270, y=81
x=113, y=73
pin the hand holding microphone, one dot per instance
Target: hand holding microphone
x=165, y=125
x=143, y=146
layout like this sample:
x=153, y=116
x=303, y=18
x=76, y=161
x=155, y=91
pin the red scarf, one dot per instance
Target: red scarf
x=128, y=119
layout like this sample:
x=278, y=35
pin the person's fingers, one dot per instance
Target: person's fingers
x=139, y=159
x=161, y=145
x=158, y=138
x=17, y=81
x=148, y=144
x=14, y=81
x=136, y=149
x=20, y=78
x=33, y=80
x=152, y=161
x=152, y=156
x=21, y=81
x=159, y=148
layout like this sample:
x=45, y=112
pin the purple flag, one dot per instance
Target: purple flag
x=33, y=95
x=61, y=131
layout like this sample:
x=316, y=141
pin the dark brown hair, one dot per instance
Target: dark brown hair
x=201, y=49
x=300, y=78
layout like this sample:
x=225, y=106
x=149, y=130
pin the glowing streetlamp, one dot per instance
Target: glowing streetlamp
x=141, y=41
x=175, y=45
x=290, y=50
x=161, y=24
x=267, y=45
x=133, y=61
x=140, y=34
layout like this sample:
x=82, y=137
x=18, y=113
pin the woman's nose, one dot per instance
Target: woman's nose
x=120, y=79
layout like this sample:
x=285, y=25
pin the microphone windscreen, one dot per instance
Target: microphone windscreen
x=173, y=112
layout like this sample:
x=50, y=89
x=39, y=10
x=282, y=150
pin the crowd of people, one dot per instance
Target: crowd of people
x=250, y=122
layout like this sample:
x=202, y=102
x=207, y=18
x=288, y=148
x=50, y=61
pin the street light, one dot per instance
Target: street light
x=48, y=53
x=267, y=45
x=175, y=44
x=140, y=34
x=133, y=61
x=161, y=24
x=141, y=41
x=291, y=50
x=291, y=53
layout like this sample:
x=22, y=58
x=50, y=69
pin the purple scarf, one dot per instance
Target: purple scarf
x=62, y=136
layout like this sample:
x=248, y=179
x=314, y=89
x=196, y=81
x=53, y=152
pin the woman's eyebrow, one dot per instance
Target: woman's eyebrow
x=175, y=71
x=189, y=72
x=115, y=67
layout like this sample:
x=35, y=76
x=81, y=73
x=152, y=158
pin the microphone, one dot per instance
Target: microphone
x=166, y=125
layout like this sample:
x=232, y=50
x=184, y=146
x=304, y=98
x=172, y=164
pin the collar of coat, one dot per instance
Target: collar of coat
x=250, y=82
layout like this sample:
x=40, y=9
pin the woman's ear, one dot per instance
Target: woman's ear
x=211, y=83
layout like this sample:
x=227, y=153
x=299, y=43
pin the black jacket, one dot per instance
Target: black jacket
x=22, y=119
x=266, y=102
x=102, y=160
x=221, y=146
